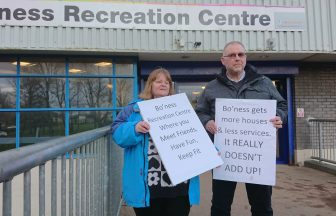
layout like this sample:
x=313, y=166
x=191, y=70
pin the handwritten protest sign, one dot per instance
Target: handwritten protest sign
x=247, y=140
x=180, y=138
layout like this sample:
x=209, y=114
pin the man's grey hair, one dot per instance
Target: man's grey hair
x=233, y=42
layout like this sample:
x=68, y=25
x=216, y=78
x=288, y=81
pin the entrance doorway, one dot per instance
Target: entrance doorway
x=191, y=77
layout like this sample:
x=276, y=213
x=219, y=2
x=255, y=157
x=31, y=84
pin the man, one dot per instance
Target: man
x=238, y=81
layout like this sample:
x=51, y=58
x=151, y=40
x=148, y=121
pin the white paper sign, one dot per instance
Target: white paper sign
x=180, y=138
x=247, y=140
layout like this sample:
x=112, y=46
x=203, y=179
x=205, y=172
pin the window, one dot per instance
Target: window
x=46, y=92
x=7, y=92
x=91, y=92
x=87, y=120
x=7, y=65
x=43, y=98
x=42, y=66
x=7, y=130
x=87, y=66
x=40, y=126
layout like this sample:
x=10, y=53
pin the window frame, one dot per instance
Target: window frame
x=114, y=109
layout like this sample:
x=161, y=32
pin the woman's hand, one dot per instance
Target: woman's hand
x=142, y=127
x=276, y=121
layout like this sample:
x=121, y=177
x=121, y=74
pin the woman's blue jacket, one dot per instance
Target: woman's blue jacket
x=135, y=186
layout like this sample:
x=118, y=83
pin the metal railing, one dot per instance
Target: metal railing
x=87, y=183
x=323, y=139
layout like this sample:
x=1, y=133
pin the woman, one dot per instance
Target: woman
x=146, y=185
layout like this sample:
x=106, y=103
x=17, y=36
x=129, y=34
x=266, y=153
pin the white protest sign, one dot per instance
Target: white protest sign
x=180, y=138
x=247, y=140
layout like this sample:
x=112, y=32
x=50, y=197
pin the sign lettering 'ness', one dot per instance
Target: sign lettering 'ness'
x=151, y=16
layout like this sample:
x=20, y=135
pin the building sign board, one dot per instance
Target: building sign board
x=151, y=15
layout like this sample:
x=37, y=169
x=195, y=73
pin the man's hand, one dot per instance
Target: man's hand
x=277, y=122
x=211, y=126
x=142, y=127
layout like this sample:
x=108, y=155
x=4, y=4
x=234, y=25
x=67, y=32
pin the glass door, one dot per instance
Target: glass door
x=192, y=89
x=282, y=134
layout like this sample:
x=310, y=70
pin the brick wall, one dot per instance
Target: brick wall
x=315, y=91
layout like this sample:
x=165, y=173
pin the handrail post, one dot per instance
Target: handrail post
x=63, y=185
x=82, y=182
x=71, y=183
x=27, y=194
x=7, y=198
x=54, y=187
x=77, y=204
x=320, y=141
x=109, y=174
x=42, y=189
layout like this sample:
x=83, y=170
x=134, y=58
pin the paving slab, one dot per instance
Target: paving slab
x=299, y=191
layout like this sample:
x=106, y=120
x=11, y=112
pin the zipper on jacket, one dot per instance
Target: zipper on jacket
x=143, y=170
x=246, y=85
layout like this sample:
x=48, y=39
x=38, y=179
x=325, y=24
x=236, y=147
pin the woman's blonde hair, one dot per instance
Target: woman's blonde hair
x=146, y=94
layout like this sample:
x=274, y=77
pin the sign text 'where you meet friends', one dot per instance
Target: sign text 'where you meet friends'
x=182, y=142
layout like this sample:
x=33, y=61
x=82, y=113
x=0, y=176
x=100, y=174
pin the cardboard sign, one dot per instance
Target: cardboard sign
x=179, y=136
x=247, y=140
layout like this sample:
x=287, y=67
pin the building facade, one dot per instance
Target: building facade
x=63, y=77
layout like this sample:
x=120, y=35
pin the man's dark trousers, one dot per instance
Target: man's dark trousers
x=259, y=197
